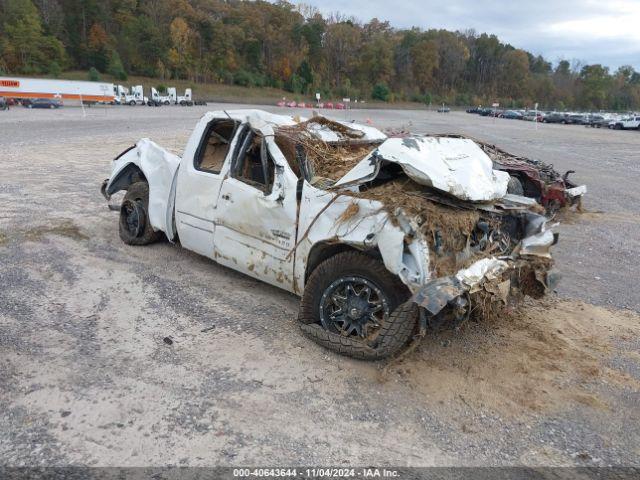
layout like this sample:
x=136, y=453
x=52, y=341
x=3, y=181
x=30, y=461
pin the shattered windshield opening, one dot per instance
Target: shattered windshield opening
x=323, y=150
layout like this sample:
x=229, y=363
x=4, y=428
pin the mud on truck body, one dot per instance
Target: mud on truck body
x=382, y=238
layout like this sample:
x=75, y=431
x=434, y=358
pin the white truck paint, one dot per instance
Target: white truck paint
x=172, y=95
x=120, y=92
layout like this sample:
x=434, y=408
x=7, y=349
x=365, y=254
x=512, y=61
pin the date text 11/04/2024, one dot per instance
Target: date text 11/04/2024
x=316, y=472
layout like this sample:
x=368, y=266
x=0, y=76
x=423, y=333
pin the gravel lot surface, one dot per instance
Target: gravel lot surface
x=86, y=377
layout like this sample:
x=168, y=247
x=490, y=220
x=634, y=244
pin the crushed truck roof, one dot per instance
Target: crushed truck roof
x=455, y=166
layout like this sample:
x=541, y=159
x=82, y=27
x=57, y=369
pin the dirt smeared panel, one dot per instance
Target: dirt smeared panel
x=548, y=356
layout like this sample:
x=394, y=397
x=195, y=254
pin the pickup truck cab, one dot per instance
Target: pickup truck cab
x=381, y=237
x=629, y=123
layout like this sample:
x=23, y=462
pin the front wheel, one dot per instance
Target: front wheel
x=135, y=227
x=514, y=186
x=354, y=306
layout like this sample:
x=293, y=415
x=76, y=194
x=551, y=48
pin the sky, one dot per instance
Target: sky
x=591, y=31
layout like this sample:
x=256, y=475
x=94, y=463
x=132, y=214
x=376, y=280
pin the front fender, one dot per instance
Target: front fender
x=147, y=161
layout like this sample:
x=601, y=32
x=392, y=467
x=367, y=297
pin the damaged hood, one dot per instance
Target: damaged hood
x=455, y=166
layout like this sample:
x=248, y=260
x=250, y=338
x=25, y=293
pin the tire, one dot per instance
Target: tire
x=395, y=327
x=514, y=186
x=134, y=225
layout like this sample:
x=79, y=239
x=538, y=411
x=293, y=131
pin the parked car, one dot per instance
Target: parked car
x=629, y=123
x=577, y=119
x=556, y=117
x=474, y=110
x=44, y=103
x=512, y=115
x=444, y=109
x=533, y=116
x=598, y=121
x=367, y=230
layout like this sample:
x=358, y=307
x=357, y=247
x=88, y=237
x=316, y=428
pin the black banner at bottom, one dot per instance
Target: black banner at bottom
x=310, y=473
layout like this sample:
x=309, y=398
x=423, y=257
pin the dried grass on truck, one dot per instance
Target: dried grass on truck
x=327, y=160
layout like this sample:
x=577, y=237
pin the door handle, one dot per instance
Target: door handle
x=226, y=196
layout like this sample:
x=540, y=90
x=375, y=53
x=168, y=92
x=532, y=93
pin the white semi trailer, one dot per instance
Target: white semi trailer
x=32, y=88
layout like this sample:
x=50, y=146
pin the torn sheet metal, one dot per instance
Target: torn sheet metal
x=436, y=294
x=538, y=244
x=576, y=191
x=351, y=133
x=452, y=165
x=486, y=268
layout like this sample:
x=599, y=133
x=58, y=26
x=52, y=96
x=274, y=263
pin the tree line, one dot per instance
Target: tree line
x=259, y=43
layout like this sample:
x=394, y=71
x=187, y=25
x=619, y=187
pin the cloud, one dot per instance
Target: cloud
x=593, y=31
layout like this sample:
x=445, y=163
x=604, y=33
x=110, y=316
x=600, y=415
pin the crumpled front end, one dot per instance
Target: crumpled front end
x=489, y=284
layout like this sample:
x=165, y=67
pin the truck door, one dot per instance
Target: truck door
x=199, y=181
x=257, y=213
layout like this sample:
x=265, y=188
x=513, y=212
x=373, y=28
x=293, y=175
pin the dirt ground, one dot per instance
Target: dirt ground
x=87, y=378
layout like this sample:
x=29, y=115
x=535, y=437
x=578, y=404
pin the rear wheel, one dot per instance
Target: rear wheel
x=351, y=305
x=135, y=227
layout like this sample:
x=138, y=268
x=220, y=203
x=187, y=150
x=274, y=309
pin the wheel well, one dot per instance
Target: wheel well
x=324, y=250
x=127, y=176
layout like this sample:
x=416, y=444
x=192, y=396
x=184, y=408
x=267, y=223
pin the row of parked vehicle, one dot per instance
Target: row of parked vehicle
x=329, y=105
x=49, y=103
x=595, y=120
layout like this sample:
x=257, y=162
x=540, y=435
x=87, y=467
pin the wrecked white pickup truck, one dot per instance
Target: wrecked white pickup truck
x=382, y=237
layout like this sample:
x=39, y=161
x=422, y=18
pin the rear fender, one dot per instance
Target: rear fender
x=149, y=162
